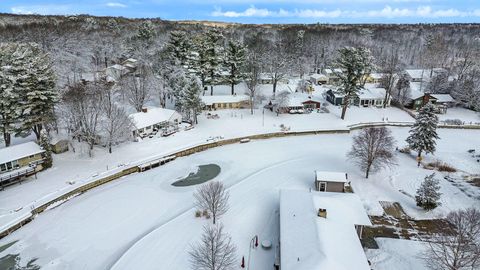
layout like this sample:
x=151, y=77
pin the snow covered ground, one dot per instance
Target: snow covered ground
x=141, y=221
x=397, y=254
x=78, y=167
x=467, y=116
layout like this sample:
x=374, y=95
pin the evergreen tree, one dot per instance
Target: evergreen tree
x=214, y=56
x=44, y=142
x=192, y=103
x=355, y=63
x=235, y=57
x=424, y=131
x=40, y=93
x=178, y=47
x=27, y=85
x=9, y=105
x=428, y=194
x=198, y=59
x=146, y=31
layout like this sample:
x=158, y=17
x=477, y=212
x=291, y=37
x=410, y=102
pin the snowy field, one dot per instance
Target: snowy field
x=151, y=224
x=397, y=254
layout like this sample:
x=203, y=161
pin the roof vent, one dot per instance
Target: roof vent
x=322, y=212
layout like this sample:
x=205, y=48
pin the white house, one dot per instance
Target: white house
x=319, y=79
x=321, y=230
x=372, y=97
x=422, y=75
x=150, y=120
x=225, y=102
x=332, y=74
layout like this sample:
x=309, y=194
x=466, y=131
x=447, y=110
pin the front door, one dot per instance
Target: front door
x=322, y=186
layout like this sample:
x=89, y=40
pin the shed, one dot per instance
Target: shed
x=59, y=145
x=330, y=181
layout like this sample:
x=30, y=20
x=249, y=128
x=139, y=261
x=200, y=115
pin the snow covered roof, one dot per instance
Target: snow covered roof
x=372, y=93
x=330, y=71
x=309, y=242
x=422, y=73
x=19, y=151
x=297, y=101
x=331, y=176
x=318, y=76
x=210, y=100
x=376, y=76
x=152, y=116
x=443, y=98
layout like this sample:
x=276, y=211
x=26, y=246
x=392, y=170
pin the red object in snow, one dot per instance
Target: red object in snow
x=243, y=262
x=256, y=241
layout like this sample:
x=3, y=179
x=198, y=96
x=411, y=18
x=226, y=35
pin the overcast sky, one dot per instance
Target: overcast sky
x=262, y=11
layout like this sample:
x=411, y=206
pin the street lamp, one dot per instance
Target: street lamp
x=253, y=244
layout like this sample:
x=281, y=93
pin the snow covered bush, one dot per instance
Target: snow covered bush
x=428, y=194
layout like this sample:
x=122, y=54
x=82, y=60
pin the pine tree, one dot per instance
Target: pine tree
x=44, y=142
x=40, y=93
x=198, y=59
x=192, y=103
x=424, y=131
x=428, y=194
x=9, y=109
x=178, y=47
x=27, y=85
x=214, y=56
x=355, y=63
x=235, y=57
x=146, y=31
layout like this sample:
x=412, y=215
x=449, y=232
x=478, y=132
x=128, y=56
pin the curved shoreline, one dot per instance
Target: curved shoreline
x=150, y=163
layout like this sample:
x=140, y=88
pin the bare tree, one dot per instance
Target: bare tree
x=372, y=149
x=83, y=105
x=215, y=250
x=401, y=93
x=390, y=67
x=138, y=86
x=252, y=77
x=275, y=64
x=459, y=246
x=213, y=197
x=116, y=126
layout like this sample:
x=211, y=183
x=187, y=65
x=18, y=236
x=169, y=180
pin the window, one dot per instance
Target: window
x=322, y=186
x=3, y=167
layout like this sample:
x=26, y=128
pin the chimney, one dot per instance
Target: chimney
x=426, y=98
x=144, y=110
x=322, y=212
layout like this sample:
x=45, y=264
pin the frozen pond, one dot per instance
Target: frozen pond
x=204, y=174
x=143, y=222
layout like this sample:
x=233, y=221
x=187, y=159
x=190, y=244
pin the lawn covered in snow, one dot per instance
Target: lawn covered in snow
x=397, y=254
x=142, y=222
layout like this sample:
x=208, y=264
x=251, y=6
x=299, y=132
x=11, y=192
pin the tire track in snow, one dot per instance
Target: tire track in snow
x=121, y=253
